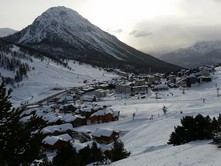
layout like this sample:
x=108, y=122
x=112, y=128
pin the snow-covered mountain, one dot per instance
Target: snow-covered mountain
x=201, y=53
x=6, y=32
x=64, y=33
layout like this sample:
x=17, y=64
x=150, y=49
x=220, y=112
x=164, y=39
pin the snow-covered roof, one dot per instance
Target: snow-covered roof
x=103, y=132
x=26, y=118
x=107, y=110
x=88, y=98
x=97, y=107
x=116, y=113
x=68, y=118
x=161, y=86
x=71, y=118
x=99, y=113
x=103, y=112
x=78, y=146
x=86, y=109
x=103, y=85
x=65, y=97
x=192, y=75
x=51, y=117
x=51, y=140
x=100, y=90
x=59, y=128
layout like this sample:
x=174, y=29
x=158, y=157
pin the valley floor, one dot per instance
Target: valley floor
x=147, y=139
x=146, y=135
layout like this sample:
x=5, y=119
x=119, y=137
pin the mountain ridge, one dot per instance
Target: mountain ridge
x=66, y=34
x=6, y=31
x=199, y=54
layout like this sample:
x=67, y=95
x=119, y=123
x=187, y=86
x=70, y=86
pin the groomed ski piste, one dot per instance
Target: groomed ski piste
x=146, y=138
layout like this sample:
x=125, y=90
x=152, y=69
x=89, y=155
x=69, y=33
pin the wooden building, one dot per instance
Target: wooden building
x=105, y=135
x=56, y=142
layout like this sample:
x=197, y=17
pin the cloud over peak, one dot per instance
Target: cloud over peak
x=137, y=33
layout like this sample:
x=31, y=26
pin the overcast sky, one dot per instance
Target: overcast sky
x=152, y=26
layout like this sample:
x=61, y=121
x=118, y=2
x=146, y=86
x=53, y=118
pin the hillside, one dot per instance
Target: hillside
x=46, y=74
x=6, y=31
x=64, y=33
x=201, y=53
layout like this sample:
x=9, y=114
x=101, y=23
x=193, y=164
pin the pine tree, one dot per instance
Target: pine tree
x=17, y=145
x=5, y=104
x=85, y=156
x=118, y=152
x=66, y=156
x=5, y=107
x=96, y=153
x=217, y=138
x=198, y=128
x=217, y=131
x=178, y=137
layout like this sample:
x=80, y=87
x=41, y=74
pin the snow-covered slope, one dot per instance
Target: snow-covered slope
x=68, y=24
x=147, y=139
x=64, y=33
x=6, y=32
x=48, y=75
x=201, y=53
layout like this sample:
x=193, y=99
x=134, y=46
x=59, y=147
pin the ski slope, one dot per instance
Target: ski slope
x=147, y=139
x=49, y=75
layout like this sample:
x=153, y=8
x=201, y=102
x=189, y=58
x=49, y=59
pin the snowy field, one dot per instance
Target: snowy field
x=147, y=139
x=48, y=75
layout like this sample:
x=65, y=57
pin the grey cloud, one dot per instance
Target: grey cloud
x=137, y=33
x=168, y=36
